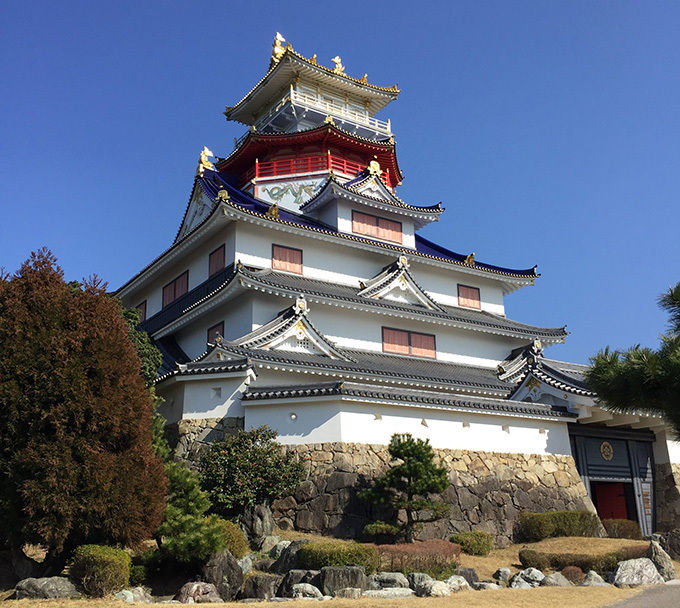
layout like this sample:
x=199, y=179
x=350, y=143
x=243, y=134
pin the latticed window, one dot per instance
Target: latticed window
x=142, y=308
x=175, y=289
x=287, y=259
x=469, y=297
x=377, y=227
x=216, y=261
x=413, y=343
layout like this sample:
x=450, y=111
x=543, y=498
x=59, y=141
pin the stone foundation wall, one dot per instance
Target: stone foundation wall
x=667, y=497
x=191, y=437
x=487, y=491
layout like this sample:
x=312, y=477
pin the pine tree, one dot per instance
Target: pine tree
x=76, y=462
x=642, y=379
x=412, y=477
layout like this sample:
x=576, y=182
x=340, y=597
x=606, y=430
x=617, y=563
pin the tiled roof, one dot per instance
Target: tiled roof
x=198, y=368
x=420, y=398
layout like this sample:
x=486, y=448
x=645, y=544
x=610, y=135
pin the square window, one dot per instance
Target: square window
x=287, y=259
x=377, y=227
x=175, y=289
x=402, y=342
x=469, y=297
x=216, y=261
x=214, y=331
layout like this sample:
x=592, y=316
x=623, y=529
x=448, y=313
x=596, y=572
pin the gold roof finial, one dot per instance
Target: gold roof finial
x=374, y=167
x=273, y=211
x=470, y=260
x=312, y=59
x=277, y=48
x=203, y=162
x=329, y=120
x=222, y=195
x=339, y=68
x=364, y=79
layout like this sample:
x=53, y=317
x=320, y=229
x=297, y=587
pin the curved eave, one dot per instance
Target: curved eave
x=292, y=64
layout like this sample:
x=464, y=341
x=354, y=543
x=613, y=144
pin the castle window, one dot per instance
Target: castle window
x=142, y=308
x=216, y=261
x=469, y=297
x=175, y=289
x=413, y=343
x=214, y=330
x=377, y=227
x=286, y=259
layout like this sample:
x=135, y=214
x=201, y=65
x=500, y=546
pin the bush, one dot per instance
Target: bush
x=316, y=555
x=622, y=528
x=234, y=539
x=100, y=570
x=137, y=575
x=602, y=564
x=534, y=527
x=476, y=542
x=382, y=531
x=573, y=574
x=438, y=558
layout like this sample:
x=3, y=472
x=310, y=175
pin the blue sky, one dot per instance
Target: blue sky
x=549, y=130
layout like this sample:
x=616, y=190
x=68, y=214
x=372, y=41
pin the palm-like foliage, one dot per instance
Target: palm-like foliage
x=642, y=379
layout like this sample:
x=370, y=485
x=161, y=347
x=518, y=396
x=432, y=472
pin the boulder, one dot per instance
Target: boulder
x=556, y=579
x=670, y=542
x=288, y=558
x=388, y=593
x=485, y=586
x=593, y=579
x=341, y=577
x=502, y=575
x=263, y=565
x=246, y=563
x=417, y=578
x=305, y=590
x=198, y=593
x=223, y=571
x=517, y=582
x=136, y=594
x=383, y=580
x=260, y=586
x=268, y=543
x=352, y=593
x=432, y=588
x=531, y=576
x=636, y=572
x=277, y=549
x=46, y=588
x=257, y=522
x=293, y=577
x=662, y=561
x=457, y=583
x=468, y=574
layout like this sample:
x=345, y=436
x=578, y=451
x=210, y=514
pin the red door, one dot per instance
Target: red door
x=611, y=501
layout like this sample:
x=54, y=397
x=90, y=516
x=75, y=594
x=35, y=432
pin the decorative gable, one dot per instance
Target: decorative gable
x=395, y=283
x=198, y=210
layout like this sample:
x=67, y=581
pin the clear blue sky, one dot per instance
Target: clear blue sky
x=550, y=130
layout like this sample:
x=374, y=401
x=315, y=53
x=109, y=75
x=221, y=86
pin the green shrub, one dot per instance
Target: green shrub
x=476, y=542
x=137, y=575
x=316, y=555
x=438, y=558
x=100, y=570
x=234, y=539
x=382, y=531
x=534, y=527
x=602, y=564
x=622, y=528
x=573, y=574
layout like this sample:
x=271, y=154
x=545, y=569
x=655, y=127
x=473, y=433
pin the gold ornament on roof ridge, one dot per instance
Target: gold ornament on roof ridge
x=339, y=68
x=277, y=48
x=329, y=120
x=222, y=195
x=203, y=162
x=470, y=260
x=273, y=211
x=374, y=167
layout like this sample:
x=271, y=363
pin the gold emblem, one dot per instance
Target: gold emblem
x=222, y=195
x=374, y=167
x=339, y=68
x=278, y=49
x=273, y=211
x=606, y=450
x=203, y=162
x=470, y=260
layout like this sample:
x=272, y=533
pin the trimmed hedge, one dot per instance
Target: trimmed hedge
x=476, y=542
x=316, y=555
x=602, y=564
x=100, y=570
x=622, y=528
x=573, y=574
x=438, y=558
x=382, y=530
x=534, y=527
x=234, y=539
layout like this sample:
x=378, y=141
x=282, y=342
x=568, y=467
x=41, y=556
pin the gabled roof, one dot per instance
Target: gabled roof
x=292, y=65
x=369, y=190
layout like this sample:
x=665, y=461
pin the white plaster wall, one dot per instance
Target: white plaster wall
x=666, y=449
x=313, y=423
x=213, y=397
x=173, y=406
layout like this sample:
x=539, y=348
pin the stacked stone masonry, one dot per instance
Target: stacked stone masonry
x=191, y=437
x=668, y=497
x=487, y=492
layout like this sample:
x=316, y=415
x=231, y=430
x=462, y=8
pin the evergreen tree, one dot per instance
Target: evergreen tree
x=76, y=462
x=412, y=477
x=642, y=379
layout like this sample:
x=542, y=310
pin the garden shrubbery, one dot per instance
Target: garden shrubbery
x=382, y=531
x=100, y=570
x=603, y=563
x=622, y=528
x=573, y=574
x=476, y=542
x=438, y=558
x=534, y=527
x=316, y=555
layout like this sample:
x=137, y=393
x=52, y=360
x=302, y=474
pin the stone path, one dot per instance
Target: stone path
x=665, y=596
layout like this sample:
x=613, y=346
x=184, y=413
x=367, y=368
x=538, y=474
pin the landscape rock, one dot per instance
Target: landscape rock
x=49, y=587
x=502, y=575
x=341, y=577
x=384, y=580
x=352, y=593
x=263, y=565
x=517, y=582
x=388, y=593
x=295, y=576
x=485, y=586
x=223, y=571
x=531, y=576
x=556, y=579
x=662, y=561
x=417, y=578
x=277, y=549
x=303, y=590
x=198, y=593
x=469, y=574
x=457, y=583
x=593, y=579
x=260, y=586
x=246, y=563
x=288, y=559
x=636, y=572
x=670, y=542
x=136, y=594
x=257, y=523
x=432, y=588
x=268, y=543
